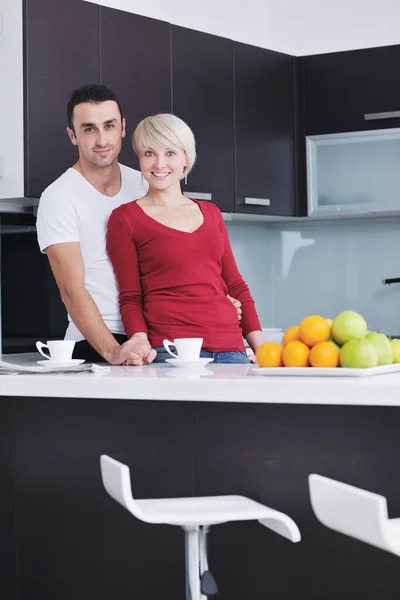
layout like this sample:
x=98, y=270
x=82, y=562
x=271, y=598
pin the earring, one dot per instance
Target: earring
x=141, y=176
x=185, y=178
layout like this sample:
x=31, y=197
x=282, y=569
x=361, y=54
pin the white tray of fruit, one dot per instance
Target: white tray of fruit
x=340, y=347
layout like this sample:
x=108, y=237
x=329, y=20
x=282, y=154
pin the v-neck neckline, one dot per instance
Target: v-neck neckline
x=174, y=228
x=87, y=182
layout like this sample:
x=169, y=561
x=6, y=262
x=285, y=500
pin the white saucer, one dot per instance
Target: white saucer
x=67, y=363
x=188, y=364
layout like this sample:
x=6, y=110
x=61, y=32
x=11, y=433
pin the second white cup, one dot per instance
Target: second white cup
x=187, y=348
x=59, y=350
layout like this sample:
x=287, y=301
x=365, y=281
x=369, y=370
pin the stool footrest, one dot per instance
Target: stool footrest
x=208, y=584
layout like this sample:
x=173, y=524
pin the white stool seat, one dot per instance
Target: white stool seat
x=354, y=512
x=211, y=510
x=194, y=515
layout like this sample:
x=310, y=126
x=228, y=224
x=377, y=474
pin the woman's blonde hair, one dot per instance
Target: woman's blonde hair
x=167, y=131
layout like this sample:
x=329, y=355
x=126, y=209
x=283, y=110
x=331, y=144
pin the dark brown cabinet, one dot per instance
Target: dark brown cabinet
x=342, y=87
x=8, y=549
x=238, y=99
x=136, y=65
x=265, y=131
x=8, y=579
x=61, y=54
x=202, y=75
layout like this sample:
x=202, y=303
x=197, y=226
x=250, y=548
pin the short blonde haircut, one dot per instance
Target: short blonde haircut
x=167, y=131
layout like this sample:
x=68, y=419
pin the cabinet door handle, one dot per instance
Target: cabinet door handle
x=198, y=195
x=394, y=114
x=257, y=201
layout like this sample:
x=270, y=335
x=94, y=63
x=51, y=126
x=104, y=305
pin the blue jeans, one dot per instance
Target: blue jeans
x=219, y=357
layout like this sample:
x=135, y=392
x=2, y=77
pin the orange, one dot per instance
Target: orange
x=314, y=329
x=295, y=354
x=269, y=355
x=324, y=354
x=290, y=334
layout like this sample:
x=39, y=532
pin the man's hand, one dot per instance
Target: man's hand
x=237, y=304
x=136, y=351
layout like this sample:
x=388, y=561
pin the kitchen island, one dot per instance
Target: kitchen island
x=228, y=432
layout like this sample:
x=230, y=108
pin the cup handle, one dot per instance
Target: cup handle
x=39, y=346
x=167, y=344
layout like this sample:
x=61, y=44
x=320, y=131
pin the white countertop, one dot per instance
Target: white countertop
x=226, y=383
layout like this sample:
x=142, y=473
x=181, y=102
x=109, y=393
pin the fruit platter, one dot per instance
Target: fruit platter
x=339, y=347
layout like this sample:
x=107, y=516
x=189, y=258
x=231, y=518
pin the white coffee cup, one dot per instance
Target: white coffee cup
x=187, y=348
x=59, y=350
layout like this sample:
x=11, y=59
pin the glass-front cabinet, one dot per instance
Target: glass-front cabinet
x=356, y=172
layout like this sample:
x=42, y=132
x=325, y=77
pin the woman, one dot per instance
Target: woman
x=172, y=257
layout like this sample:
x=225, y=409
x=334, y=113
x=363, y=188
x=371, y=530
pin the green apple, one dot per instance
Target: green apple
x=396, y=350
x=383, y=347
x=332, y=341
x=358, y=354
x=348, y=325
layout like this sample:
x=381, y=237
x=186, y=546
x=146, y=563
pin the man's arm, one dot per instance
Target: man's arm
x=68, y=269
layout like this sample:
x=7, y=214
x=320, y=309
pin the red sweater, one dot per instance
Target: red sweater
x=174, y=284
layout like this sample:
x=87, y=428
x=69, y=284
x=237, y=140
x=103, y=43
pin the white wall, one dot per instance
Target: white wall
x=242, y=21
x=298, y=27
x=11, y=101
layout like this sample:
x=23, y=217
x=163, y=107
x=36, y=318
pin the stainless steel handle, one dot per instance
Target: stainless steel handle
x=257, y=201
x=198, y=195
x=394, y=114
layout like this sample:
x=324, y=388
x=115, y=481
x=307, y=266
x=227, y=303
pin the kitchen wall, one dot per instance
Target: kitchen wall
x=11, y=101
x=297, y=27
x=324, y=268
x=321, y=268
x=253, y=250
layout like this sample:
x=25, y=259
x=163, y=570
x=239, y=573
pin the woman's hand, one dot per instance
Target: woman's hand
x=138, y=350
x=237, y=304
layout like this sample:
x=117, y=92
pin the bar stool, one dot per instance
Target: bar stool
x=195, y=516
x=354, y=512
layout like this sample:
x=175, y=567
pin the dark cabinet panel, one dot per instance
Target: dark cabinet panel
x=8, y=570
x=31, y=305
x=74, y=541
x=342, y=87
x=202, y=75
x=61, y=54
x=265, y=131
x=266, y=452
x=136, y=65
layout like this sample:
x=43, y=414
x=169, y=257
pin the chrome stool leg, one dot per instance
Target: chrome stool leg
x=200, y=584
x=193, y=581
x=208, y=584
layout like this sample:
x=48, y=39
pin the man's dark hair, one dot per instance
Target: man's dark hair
x=89, y=93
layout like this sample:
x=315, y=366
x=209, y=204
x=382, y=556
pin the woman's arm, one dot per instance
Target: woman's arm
x=254, y=340
x=123, y=255
x=238, y=288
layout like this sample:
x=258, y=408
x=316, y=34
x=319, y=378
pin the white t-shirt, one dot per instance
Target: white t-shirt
x=72, y=210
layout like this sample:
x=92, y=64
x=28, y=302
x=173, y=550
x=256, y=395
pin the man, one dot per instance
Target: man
x=71, y=225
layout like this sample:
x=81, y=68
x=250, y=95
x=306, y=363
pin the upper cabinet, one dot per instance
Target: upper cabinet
x=265, y=131
x=352, y=91
x=61, y=54
x=202, y=76
x=239, y=100
x=135, y=64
